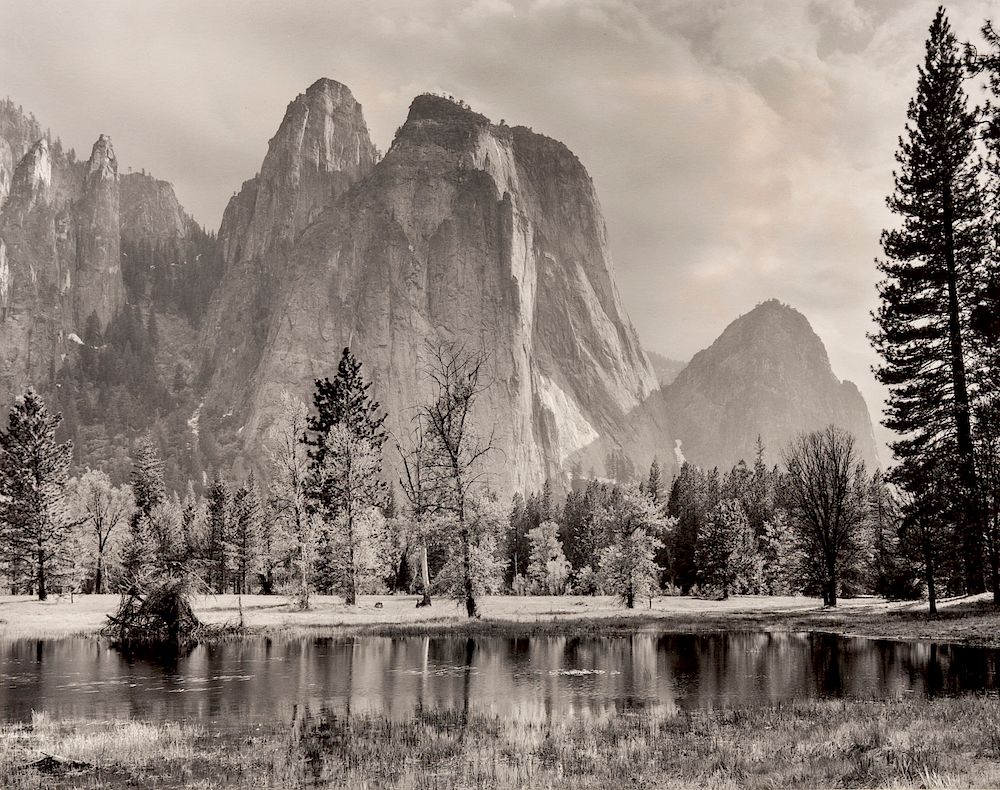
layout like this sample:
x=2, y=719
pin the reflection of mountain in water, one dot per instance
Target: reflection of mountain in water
x=269, y=681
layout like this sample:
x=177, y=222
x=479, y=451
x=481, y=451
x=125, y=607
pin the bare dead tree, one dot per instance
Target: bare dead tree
x=418, y=488
x=289, y=464
x=104, y=507
x=456, y=451
x=825, y=489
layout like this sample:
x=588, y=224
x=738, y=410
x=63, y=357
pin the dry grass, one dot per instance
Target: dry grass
x=973, y=620
x=916, y=743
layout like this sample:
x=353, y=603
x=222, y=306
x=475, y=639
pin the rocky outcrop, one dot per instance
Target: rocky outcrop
x=149, y=209
x=466, y=232
x=99, y=288
x=37, y=251
x=320, y=150
x=767, y=375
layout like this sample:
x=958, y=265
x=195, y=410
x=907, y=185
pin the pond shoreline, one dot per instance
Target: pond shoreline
x=967, y=621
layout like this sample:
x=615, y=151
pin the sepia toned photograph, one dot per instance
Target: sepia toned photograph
x=495, y=394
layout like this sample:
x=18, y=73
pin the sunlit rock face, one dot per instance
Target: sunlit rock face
x=466, y=231
x=767, y=375
x=99, y=288
x=37, y=263
x=59, y=251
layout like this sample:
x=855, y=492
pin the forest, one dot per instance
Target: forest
x=319, y=517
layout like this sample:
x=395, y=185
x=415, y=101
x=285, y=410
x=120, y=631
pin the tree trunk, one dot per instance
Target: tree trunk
x=470, y=599
x=994, y=568
x=303, y=578
x=352, y=582
x=929, y=575
x=931, y=594
x=972, y=533
x=630, y=597
x=42, y=592
x=99, y=573
x=425, y=577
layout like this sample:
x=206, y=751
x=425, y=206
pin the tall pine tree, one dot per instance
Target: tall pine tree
x=926, y=295
x=33, y=475
x=345, y=470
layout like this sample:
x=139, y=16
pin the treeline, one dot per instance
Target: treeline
x=938, y=322
x=323, y=520
x=321, y=516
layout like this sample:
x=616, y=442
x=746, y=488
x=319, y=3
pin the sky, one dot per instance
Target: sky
x=742, y=149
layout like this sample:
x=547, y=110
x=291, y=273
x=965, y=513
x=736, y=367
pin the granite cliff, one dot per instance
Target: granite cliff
x=465, y=231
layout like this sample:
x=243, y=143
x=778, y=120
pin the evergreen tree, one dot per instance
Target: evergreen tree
x=727, y=549
x=344, y=401
x=628, y=564
x=345, y=471
x=548, y=569
x=931, y=264
x=218, y=538
x=140, y=551
x=247, y=521
x=517, y=548
x=693, y=495
x=147, y=477
x=33, y=474
x=654, y=483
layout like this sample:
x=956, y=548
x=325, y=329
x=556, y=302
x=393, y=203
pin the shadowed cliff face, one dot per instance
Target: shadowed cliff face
x=466, y=231
x=768, y=374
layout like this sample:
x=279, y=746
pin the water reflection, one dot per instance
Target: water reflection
x=264, y=680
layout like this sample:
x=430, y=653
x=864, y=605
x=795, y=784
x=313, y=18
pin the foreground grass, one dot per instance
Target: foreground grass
x=913, y=743
x=969, y=620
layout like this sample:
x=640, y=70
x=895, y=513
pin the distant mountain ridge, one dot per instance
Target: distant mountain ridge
x=666, y=369
x=767, y=374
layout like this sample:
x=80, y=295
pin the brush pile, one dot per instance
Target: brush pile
x=155, y=614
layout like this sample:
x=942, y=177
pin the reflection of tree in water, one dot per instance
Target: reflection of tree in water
x=543, y=678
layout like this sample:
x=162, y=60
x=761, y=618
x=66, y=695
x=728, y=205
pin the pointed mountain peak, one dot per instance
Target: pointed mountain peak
x=33, y=175
x=767, y=374
x=103, y=164
x=321, y=149
x=325, y=127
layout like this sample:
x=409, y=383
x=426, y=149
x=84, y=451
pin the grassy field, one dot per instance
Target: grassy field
x=916, y=743
x=968, y=620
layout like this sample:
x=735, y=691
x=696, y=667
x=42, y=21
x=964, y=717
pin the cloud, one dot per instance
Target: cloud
x=742, y=150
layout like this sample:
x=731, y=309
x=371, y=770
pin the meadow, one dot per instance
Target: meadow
x=970, y=620
x=898, y=743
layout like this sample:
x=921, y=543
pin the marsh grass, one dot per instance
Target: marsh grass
x=902, y=743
